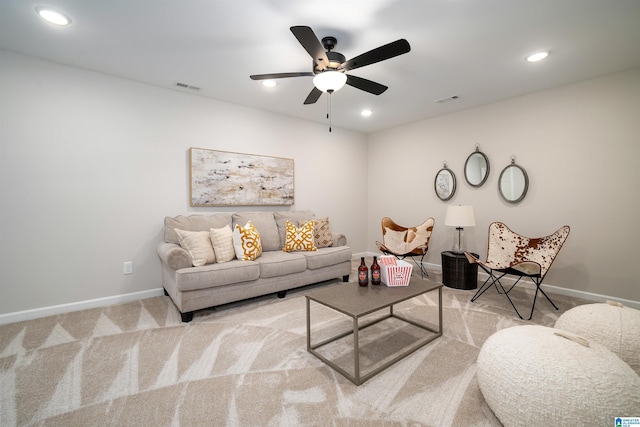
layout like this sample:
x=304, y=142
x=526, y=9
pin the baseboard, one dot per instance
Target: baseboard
x=558, y=290
x=37, y=313
x=588, y=296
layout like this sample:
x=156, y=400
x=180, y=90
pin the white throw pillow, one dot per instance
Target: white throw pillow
x=222, y=240
x=198, y=245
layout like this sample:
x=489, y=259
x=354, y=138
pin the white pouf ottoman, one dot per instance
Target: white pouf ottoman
x=530, y=376
x=611, y=324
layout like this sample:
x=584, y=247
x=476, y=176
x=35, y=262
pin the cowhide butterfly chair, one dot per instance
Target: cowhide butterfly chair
x=512, y=254
x=403, y=242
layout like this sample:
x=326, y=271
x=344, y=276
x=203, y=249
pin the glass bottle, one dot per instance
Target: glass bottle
x=363, y=273
x=375, y=271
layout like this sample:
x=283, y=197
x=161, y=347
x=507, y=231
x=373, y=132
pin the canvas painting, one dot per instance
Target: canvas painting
x=222, y=178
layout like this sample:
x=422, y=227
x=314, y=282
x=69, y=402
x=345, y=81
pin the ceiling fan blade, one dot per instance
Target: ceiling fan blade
x=279, y=75
x=378, y=54
x=312, y=45
x=313, y=96
x=366, y=85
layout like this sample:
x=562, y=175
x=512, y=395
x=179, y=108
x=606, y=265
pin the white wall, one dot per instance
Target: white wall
x=91, y=164
x=580, y=145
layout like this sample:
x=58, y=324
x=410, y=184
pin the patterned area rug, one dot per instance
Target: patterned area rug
x=246, y=364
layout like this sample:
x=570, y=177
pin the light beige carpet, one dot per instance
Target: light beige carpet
x=246, y=364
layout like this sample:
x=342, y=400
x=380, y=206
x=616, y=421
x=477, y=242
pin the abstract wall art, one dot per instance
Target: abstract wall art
x=222, y=178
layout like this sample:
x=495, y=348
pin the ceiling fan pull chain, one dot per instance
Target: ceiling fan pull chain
x=328, y=105
x=329, y=108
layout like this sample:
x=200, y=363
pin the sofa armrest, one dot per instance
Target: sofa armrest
x=174, y=256
x=339, y=239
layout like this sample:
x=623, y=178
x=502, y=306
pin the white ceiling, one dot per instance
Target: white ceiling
x=474, y=49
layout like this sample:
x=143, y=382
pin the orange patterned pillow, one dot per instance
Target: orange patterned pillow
x=299, y=239
x=246, y=242
x=322, y=233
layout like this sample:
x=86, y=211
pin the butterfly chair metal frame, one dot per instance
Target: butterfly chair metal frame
x=510, y=253
x=403, y=242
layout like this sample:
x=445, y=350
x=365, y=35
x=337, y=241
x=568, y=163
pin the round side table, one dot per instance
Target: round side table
x=458, y=272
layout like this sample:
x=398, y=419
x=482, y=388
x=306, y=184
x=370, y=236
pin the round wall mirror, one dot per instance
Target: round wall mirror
x=445, y=183
x=513, y=183
x=476, y=168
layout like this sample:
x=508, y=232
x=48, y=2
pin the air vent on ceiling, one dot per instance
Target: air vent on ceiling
x=186, y=86
x=447, y=99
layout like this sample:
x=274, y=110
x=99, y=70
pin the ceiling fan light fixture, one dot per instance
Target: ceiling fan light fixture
x=366, y=112
x=330, y=81
x=269, y=83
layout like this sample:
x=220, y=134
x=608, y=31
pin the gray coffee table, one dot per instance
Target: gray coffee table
x=357, y=302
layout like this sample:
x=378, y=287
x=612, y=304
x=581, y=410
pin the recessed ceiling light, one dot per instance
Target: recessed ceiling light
x=53, y=16
x=538, y=56
x=269, y=83
x=366, y=112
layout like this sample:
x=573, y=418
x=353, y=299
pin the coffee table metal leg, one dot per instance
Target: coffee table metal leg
x=440, y=311
x=356, y=351
x=308, y=325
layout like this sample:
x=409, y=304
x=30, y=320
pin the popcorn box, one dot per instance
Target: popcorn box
x=394, y=272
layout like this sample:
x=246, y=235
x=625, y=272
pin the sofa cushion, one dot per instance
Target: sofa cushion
x=214, y=275
x=198, y=244
x=246, y=242
x=278, y=263
x=193, y=223
x=281, y=218
x=321, y=233
x=222, y=241
x=299, y=239
x=325, y=257
x=266, y=226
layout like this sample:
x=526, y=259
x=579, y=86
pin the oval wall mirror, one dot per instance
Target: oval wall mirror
x=476, y=168
x=445, y=183
x=513, y=183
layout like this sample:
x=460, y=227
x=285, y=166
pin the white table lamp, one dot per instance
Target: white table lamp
x=459, y=217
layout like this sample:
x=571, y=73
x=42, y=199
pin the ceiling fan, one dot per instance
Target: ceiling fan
x=330, y=67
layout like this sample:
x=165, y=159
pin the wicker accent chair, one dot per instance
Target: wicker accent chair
x=403, y=242
x=509, y=253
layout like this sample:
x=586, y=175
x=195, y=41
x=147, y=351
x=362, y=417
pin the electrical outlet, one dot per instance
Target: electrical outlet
x=127, y=267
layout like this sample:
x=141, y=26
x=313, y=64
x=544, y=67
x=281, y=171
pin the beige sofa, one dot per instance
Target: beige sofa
x=194, y=288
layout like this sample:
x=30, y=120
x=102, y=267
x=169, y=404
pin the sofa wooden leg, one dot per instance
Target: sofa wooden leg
x=345, y=278
x=282, y=294
x=187, y=317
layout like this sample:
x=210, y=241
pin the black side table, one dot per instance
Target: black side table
x=458, y=272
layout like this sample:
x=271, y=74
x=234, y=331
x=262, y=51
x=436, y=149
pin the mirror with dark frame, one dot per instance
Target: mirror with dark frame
x=513, y=183
x=476, y=168
x=445, y=183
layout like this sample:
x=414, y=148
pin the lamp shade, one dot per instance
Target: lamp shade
x=460, y=216
x=330, y=81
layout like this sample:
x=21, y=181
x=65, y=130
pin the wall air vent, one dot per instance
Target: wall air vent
x=186, y=86
x=447, y=99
